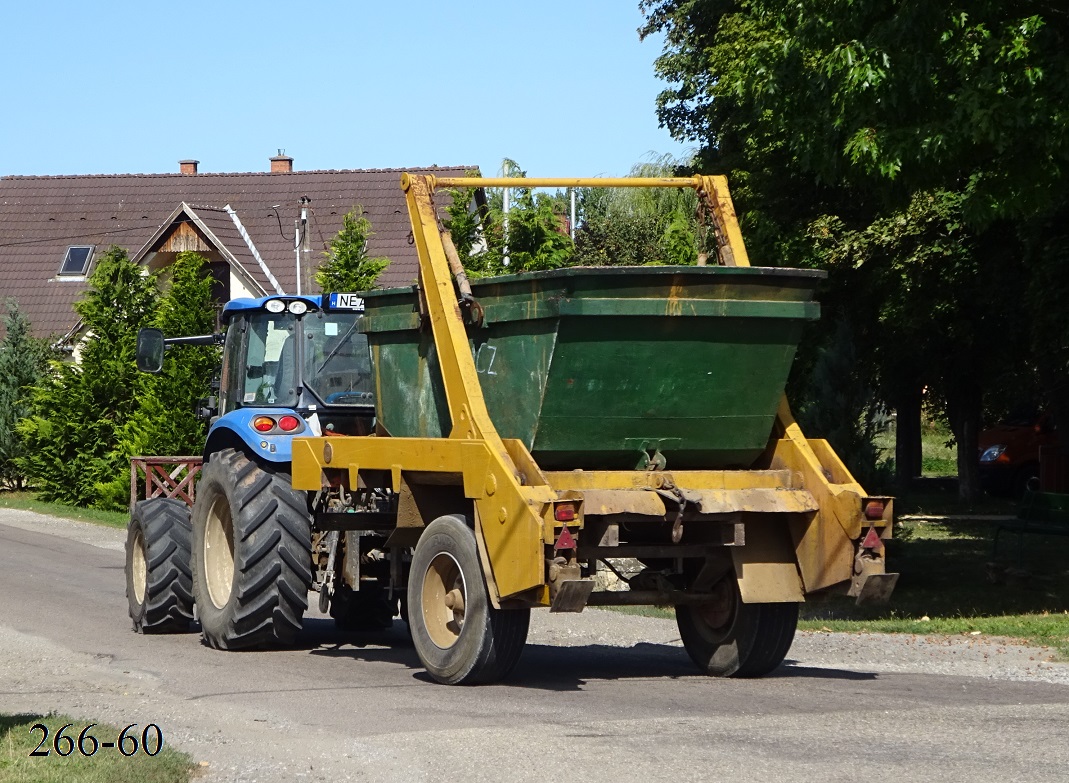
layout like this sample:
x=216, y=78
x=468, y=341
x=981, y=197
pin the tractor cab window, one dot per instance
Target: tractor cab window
x=337, y=361
x=271, y=360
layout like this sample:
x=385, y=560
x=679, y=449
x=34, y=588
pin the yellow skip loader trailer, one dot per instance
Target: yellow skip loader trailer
x=533, y=429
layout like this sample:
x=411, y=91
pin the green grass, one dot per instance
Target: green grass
x=644, y=611
x=107, y=765
x=28, y=502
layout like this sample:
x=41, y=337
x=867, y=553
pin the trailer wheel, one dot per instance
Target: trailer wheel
x=775, y=634
x=460, y=638
x=728, y=638
x=252, y=562
x=159, y=584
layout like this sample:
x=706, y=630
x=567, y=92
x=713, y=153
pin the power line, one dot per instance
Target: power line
x=83, y=236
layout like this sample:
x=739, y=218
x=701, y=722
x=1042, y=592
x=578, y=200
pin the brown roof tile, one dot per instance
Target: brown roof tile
x=41, y=216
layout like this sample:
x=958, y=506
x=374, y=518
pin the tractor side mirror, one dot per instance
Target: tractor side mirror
x=207, y=408
x=150, y=348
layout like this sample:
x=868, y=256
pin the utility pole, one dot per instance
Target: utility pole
x=300, y=236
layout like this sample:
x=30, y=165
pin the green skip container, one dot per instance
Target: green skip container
x=611, y=367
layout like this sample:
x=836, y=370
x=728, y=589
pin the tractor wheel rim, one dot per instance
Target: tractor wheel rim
x=219, y=553
x=139, y=568
x=444, y=600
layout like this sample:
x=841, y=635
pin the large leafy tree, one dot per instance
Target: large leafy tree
x=23, y=362
x=917, y=149
x=71, y=439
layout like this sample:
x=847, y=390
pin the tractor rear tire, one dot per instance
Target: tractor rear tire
x=729, y=638
x=159, y=583
x=252, y=562
x=459, y=637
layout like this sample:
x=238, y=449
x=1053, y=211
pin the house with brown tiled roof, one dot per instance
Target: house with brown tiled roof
x=52, y=228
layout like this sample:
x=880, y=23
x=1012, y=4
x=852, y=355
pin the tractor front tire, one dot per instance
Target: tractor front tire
x=159, y=583
x=252, y=562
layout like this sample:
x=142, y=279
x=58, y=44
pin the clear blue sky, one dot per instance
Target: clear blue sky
x=563, y=87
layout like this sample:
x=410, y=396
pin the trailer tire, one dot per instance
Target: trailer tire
x=159, y=582
x=252, y=562
x=459, y=637
x=775, y=634
x=719, y=636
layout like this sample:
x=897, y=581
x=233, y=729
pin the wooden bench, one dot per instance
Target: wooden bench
x=1040, y=513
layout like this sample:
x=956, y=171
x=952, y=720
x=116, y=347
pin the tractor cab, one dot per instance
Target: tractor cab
x=291, y=365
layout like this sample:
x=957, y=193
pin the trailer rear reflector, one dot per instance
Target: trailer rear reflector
x=872, y=540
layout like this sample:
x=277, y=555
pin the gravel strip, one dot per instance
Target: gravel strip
x=85, y=532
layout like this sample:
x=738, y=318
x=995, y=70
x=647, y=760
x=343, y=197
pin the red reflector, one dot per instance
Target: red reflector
x=289, y=423
x=872, y=540
x=874, y=509
x=564, y=512
x=564, y=540
x=263, y=424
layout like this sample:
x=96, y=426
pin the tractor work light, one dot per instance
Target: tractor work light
x=263, y=424
x=274, y=305
x=298, y=307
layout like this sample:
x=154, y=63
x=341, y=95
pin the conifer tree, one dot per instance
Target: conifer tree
x=347, y=266
x=23, y=362
x=166, y=421
x=70, y=440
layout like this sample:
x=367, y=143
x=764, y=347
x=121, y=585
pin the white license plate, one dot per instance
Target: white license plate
x=346, y=302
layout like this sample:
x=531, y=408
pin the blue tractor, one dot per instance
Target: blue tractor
x=248, y=553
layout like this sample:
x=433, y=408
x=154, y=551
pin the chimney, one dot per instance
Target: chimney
x=188, y=166
x=282, y=163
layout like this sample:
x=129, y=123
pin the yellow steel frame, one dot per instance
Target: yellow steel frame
x=513, y=499
x=712, y=188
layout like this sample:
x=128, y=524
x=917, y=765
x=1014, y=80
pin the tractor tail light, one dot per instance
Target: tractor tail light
x=289, y=423
x=263, y=424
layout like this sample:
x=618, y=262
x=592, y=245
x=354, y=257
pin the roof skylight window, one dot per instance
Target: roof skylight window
x=76, y=262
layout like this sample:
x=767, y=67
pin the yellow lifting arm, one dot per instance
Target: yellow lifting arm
x=713, y=189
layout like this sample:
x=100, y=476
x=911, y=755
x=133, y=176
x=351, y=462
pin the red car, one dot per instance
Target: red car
x=1009, y=453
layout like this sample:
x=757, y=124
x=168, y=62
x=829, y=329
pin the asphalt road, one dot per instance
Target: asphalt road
x=599, y=696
